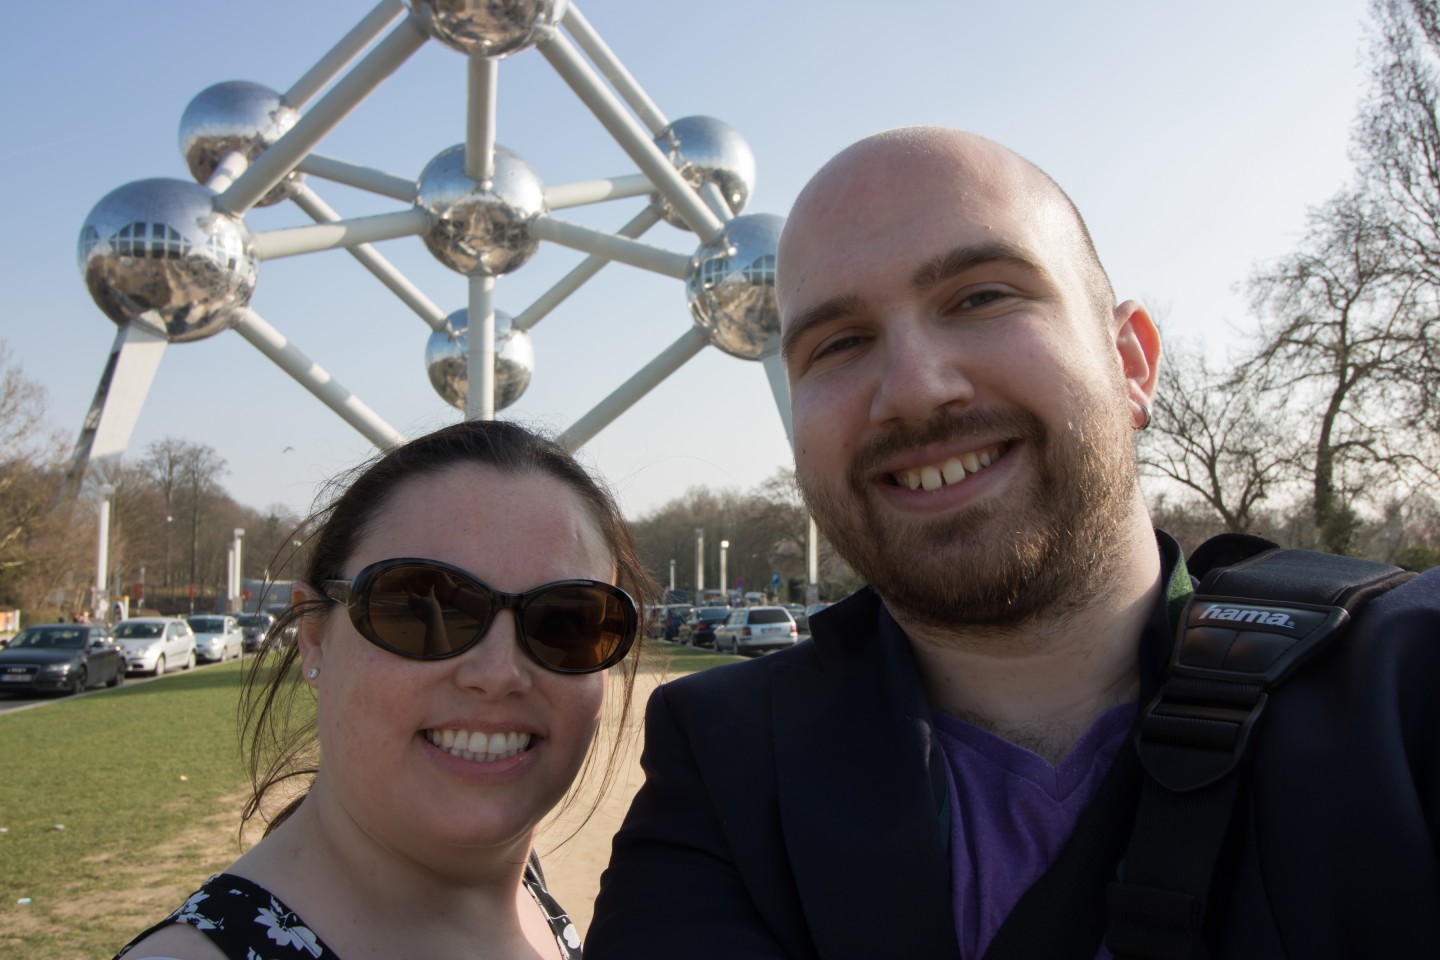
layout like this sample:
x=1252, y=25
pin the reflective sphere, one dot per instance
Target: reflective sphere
x=706, y=150
x=237, y=116
x=158, y=252
x=447, y=360
x=481, y=228
x=486, y=28
x=731, y=285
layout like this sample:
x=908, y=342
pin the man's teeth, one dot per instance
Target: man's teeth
x=935, y=476
x=479, y=745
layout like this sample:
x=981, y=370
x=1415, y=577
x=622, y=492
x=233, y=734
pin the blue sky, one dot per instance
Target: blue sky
x=1193, y=138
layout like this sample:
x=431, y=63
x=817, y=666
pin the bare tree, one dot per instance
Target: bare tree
x=200, y=471
x=1219, y=435
x=40, y=541
x=164, y=464
x=1344, y=329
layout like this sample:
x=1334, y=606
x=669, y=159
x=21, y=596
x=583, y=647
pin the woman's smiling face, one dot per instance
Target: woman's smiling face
x=470, y=751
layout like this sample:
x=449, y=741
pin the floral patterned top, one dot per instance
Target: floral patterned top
x=247, y=922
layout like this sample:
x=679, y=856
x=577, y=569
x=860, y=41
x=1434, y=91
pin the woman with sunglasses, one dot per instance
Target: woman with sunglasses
x=464, y=598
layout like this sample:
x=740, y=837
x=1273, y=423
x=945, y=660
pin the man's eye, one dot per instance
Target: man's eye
x=980, y=299
x=838, y=345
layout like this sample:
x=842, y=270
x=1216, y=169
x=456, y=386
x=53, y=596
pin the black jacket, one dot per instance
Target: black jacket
x=794, y=806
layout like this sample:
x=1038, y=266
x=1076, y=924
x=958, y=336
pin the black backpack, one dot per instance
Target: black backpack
x=1141, y=863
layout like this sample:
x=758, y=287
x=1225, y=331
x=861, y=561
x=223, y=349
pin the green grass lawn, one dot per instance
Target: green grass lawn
x=676, y=659
x=124, y=772
x=142, y=779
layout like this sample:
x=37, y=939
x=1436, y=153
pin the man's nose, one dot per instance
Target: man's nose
x=921, y=372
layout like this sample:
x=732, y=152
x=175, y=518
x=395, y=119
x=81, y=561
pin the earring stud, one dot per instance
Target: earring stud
x=313, y=672
x=1144, y=424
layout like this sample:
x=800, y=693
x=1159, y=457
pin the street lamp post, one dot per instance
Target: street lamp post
x=102, y=554
x=672, y=574
x=699, y=563
x=724, y=583
x=237, y=601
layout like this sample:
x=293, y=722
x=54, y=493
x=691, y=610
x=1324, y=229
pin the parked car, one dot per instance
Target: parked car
x=674, y=620
x=154, y=644
x=254, y=627
x=217, y=637
x=702, y=624
x=756, y=629
x=61, y=658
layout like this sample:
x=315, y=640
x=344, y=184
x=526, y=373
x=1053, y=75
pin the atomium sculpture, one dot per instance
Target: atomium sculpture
x=171, y=261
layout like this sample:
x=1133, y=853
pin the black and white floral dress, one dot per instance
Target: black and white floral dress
x=247, y=922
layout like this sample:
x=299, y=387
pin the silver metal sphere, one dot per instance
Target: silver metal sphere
x=486, y=28
x=475, y=228
x=237, y=116
x=447, y=360
x=706, y=150
x=158, y=252
x=731, y=285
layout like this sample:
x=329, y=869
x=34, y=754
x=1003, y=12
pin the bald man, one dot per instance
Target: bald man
x=965, y=393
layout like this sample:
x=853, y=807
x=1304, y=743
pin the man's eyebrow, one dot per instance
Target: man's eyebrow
x=844, y=305
x=956, y=261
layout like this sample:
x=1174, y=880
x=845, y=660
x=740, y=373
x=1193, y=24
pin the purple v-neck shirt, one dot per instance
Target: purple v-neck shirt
x=1011, y=814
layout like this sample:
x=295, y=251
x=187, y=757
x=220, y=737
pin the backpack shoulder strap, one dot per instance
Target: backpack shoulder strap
x=1248, y=627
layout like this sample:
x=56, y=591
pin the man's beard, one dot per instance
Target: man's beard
x=1038, y=553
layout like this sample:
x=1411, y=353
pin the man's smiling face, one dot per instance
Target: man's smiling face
x=962, y=434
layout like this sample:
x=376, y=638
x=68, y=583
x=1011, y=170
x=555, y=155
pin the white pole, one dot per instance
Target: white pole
x=724, y=580
x=774, y=366
x=672, y=574
x=672, y=358
x=597, y=191
x=347, y=49
x=102, y=554
x=602, y=244
x=281, y=157
x=482, y=74
x=316, y=379
x=290, y=241
x=699, y=562
x=583, y=271
x=631, y=137
x=227, y=170
x=812, y=562
x=239, y=601
x=361, y=178
x=306, y=199
x=614, y=70
x=230, y=578
x=480, y=339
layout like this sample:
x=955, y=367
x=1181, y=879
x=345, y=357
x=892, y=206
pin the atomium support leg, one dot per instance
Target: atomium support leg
x=129, y=372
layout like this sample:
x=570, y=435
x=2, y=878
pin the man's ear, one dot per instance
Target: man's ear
x=1137, y=343
x=309, y=632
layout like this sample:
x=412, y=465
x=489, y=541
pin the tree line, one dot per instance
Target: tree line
x=171, y=520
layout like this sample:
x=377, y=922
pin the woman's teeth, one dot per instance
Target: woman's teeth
x=935, y=476
x=478, y=745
